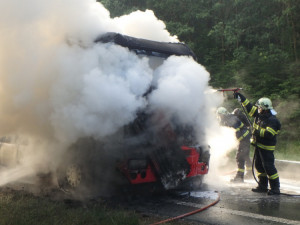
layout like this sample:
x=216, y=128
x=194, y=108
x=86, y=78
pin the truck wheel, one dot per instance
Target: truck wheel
x=75, y=172
x=74, y=175
x=70, y=177
x=74, y=179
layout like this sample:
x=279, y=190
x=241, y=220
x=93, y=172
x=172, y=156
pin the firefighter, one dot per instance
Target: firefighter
x=242, y=156
x=264, y=132
x=242, y=135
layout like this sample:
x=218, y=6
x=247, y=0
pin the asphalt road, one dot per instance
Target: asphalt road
x=238, y=204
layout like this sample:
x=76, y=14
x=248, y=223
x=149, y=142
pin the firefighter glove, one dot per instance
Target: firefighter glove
x=239, y=96
x=256, y=132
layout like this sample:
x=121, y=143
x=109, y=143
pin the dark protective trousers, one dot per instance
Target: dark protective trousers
x=242, y=155
x=265, y=166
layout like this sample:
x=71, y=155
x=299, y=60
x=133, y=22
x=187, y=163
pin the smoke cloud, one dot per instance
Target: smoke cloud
x=56, y=85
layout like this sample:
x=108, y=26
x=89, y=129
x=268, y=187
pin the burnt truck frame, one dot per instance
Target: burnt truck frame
x=177, y=162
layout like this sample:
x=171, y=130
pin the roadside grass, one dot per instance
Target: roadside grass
x=23, y=208
x=288, y=150
x=285, y=150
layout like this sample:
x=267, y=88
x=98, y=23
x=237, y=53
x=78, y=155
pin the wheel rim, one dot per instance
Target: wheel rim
x=74, y=175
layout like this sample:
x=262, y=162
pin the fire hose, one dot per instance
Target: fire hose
x=255, y=152
x=189, y=213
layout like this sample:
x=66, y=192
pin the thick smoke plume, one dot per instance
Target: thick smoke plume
x=56, y=85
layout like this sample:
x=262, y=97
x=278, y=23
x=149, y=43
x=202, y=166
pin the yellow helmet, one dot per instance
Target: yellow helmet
x=264, y=103
x=222, y=110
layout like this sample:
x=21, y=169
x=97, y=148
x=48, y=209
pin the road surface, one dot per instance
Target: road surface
x=238, y=204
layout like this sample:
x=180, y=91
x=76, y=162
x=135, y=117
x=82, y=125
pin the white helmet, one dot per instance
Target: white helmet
x=264, y=103
x=222, y=110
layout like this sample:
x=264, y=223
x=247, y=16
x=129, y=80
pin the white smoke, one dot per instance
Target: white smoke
x=181, y=86
x=144, y=25
x=56, y=85
x=100, y=95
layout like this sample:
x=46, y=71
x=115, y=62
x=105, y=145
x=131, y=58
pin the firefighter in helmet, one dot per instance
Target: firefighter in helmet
x=242, y=135
x=265, y=129
x=243, y=156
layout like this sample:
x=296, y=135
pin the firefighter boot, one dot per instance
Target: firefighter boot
x=239, y=178
x=275, y=187
x=262, y=185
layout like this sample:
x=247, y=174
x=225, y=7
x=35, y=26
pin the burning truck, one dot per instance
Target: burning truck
x=156, y=150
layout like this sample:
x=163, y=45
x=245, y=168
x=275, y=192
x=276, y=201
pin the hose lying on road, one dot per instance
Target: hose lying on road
x=189, y=213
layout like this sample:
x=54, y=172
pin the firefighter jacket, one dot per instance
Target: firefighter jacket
x=265, y=127
x=230, y=120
